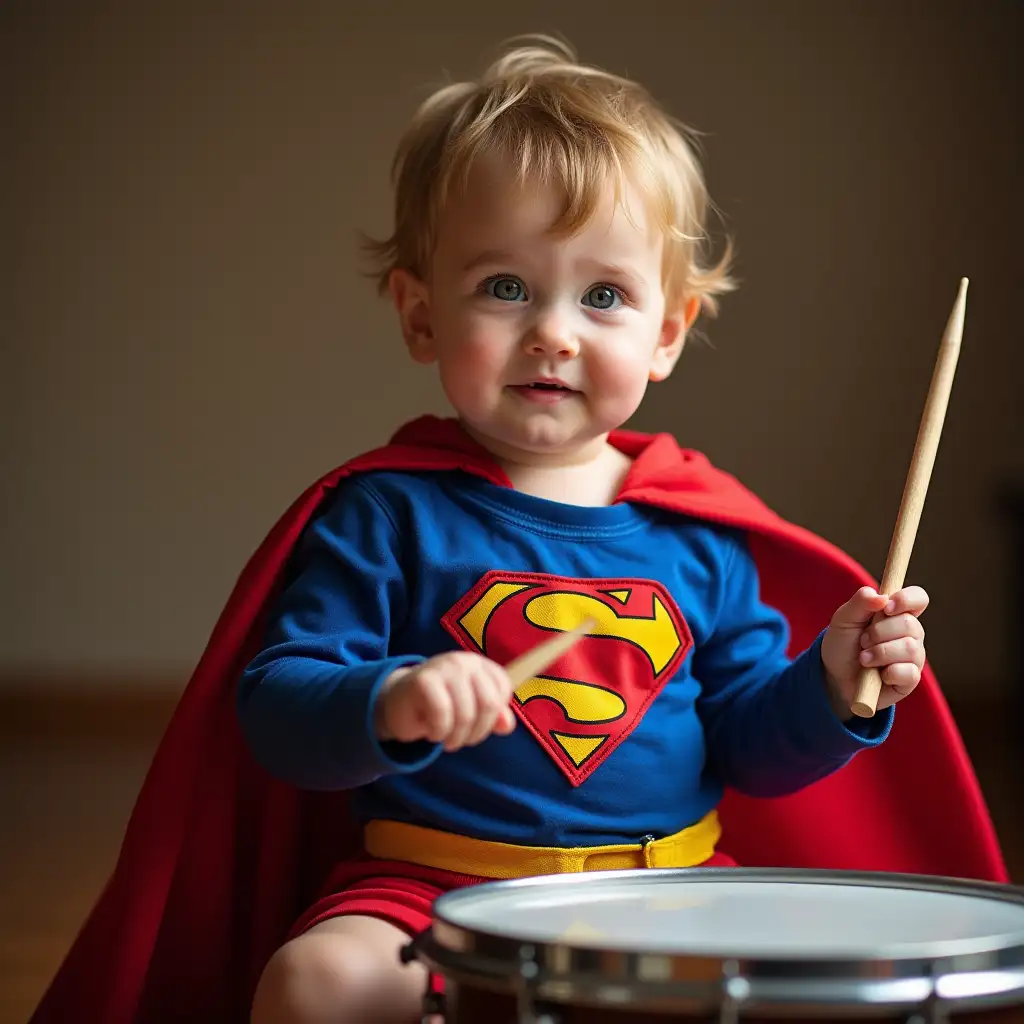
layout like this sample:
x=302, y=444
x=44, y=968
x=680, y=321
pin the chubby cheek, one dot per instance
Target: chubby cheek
x=618, y=379
x=473, y=362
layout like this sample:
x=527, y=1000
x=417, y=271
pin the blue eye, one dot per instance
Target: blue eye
x=602, y=296
x=508, y=289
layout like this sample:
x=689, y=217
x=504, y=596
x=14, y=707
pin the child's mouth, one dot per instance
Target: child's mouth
x=544, y=392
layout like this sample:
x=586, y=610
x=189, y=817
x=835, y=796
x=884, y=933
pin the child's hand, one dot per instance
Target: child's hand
x=457, y=699
x=894, y=646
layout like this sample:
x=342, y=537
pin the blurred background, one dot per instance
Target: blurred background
x=189, y=339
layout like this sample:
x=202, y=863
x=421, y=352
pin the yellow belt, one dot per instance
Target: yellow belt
x=395, y=840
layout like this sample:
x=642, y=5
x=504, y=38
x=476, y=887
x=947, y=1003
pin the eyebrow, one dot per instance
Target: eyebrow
x=488, y=257
x=619, y=270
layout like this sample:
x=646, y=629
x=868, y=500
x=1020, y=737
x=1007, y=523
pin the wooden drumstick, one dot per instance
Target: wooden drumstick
x=535, y=660
x=869, y=681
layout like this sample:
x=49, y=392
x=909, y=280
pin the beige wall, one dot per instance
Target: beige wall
x=187, y=340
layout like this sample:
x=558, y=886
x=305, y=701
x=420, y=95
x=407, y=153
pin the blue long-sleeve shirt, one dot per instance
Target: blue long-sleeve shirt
x=683, y=689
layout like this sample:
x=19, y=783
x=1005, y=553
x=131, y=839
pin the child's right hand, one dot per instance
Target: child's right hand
x=457, y=699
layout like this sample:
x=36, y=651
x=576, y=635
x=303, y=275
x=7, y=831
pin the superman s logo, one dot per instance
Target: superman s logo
x=589, y=700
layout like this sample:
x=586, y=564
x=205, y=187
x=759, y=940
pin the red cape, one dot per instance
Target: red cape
x=219, y=859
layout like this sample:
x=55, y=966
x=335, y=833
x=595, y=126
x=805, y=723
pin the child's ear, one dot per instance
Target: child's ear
x=412, y=301
x=672, y=339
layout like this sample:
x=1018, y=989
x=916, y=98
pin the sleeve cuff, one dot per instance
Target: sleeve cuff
x=392, y=757
x=818, y=727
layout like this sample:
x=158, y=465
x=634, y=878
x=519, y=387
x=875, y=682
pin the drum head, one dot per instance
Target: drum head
x=769, y=938
x=759, y=918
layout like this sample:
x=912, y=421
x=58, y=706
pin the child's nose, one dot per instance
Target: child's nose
x=551, y=335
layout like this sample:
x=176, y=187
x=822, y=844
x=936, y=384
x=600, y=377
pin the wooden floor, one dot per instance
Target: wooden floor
x=64, y=800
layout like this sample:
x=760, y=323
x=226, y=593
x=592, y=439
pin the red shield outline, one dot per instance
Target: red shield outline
x=590, y=699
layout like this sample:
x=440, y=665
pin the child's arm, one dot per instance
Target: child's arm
x=772, y=725
x=306, y=701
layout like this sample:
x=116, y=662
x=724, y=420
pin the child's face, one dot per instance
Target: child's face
x=508, y=306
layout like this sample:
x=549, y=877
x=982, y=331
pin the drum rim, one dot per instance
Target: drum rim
x=565, y=968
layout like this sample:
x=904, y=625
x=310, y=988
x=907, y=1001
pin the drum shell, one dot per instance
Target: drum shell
x=470, y=1004
x=481, y=975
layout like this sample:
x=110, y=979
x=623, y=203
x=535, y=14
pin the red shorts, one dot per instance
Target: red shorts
x=397, y=892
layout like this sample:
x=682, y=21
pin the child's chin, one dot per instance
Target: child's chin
x=540, y=428
x=547, y=438
x=539, y=433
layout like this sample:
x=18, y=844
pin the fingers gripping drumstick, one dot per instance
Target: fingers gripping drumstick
x=869, y=682
x=535, y=660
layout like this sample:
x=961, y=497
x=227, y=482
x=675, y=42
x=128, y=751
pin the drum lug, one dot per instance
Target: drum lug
x=933, y=1012
x=735, y=990
x=529, y=1011
x=432, y=1005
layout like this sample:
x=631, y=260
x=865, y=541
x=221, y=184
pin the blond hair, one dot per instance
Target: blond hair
x=563, y=122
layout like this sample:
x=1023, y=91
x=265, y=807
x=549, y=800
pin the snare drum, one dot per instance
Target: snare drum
x=728, y=945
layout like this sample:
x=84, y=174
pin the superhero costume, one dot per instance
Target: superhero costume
x=219, y=859
x=684, y=666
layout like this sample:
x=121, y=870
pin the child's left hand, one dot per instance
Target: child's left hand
x=894, y=646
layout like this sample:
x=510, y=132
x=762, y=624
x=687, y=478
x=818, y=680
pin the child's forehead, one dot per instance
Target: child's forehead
x=493, y=207
x=491, y=194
